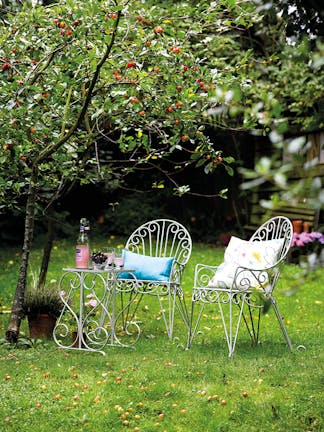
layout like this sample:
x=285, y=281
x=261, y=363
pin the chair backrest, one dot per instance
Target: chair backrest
x=278, y=227
x=161, y=238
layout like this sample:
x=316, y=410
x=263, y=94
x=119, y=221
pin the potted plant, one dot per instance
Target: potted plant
x=307, y=246
x=42, y=307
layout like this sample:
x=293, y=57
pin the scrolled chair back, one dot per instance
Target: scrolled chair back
x=276, y=228
x=161, y=238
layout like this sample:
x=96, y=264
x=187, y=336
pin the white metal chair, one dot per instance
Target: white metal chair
x=158, y=251
x=245, y=281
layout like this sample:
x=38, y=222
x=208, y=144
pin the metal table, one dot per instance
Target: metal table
x=98, y=310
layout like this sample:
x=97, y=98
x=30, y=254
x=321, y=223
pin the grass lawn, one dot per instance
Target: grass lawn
x=161, y=386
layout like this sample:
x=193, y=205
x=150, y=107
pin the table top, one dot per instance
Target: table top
x=92, y=270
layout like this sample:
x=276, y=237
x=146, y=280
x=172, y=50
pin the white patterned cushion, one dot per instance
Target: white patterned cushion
x=257, y=255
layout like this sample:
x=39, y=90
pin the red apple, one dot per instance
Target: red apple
x=131, y=64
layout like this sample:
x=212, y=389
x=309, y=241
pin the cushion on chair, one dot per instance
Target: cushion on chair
x=147, y=267
x=256, y=255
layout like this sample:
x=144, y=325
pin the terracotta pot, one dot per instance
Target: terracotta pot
x=298, y=226
x=306, y=226
x=41, y=326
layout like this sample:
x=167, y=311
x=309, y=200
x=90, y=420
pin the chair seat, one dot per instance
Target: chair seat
x=157, y=287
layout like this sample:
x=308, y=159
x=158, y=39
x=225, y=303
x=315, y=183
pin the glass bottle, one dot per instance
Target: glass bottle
x=82, y=250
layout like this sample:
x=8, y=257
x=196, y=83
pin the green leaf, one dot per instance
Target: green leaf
x=229, y=170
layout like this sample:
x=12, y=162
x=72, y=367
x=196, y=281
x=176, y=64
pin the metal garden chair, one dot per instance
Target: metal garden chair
x=244, y=281
x=158, y=251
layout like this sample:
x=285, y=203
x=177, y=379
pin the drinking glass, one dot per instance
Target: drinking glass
x=119, y=259
x=110, y=254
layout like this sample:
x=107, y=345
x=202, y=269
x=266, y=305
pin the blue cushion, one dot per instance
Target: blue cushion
x=147, y=267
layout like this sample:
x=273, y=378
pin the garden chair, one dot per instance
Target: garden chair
x=158, y=251
x=245, y=281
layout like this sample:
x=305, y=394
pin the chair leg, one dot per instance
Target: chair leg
x=169, y=317
x=281, y=323
x=192, y=330
x=174, y=301
x=128, y=315
x=190, y=320
x=253, y=332
x=231, y=333
x=183, y=310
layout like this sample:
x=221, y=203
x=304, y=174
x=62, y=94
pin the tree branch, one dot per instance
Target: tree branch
x=49, y=150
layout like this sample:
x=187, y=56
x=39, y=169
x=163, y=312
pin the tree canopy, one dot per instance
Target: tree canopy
x=172, y=68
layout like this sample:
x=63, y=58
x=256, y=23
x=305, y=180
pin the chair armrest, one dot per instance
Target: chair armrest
x=176, y=271
x=261, y=279
x=203, y=274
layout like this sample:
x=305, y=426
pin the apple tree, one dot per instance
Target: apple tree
x=78, y=75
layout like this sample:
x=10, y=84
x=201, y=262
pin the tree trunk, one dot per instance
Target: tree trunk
x=17, y=307
x=46, y=253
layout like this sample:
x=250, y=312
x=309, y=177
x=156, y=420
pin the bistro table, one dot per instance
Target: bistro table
x=98, y=310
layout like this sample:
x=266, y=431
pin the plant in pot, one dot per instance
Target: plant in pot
x=307, y=249
x=42, y=307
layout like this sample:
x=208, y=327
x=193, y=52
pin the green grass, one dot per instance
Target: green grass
x=161, y=386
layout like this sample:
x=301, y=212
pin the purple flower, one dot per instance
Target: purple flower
x=307, y=242
x=317, y=236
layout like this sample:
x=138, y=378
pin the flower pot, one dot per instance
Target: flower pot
x=41, y=325
x=306, y=227
x=298, y=226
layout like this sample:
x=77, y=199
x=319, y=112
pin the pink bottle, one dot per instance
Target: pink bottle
x=82, y=250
